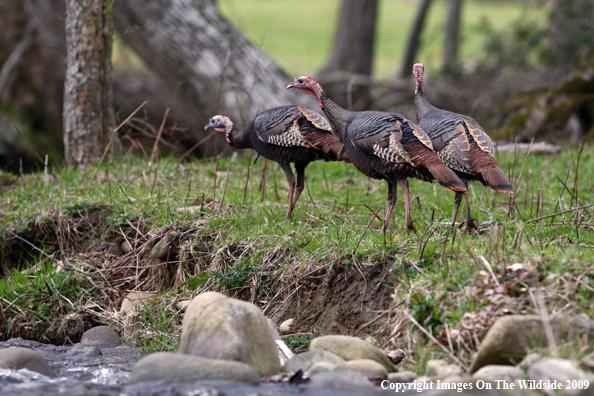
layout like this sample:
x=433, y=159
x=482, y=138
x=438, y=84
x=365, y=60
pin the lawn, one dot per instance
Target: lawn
x=299, y=35
x=436, y=274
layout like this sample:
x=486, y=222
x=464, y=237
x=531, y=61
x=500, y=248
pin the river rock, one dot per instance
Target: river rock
x=285, y=327
x=587, y=363
x=402, y=376
x=340, y=380
x=494, y=372
x=366, y=367
x=83, y=350
x=178, y=367
x=351, y=348
x=439, y=369
x=161, y=248
x=101, y=336
x=511, y=336
x=550, y=369
x=320, y=367
x=218, y=327
x=133, y=300
x=305, y=360
x=24, y=358
x=529, y=360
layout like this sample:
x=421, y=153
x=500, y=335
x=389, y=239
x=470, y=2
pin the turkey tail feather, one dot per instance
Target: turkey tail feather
x=488, y=171
x=447, y=178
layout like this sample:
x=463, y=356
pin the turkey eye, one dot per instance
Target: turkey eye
x=300, y=81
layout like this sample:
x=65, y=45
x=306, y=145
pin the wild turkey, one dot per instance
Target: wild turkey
x=461, y=144
x=384, y=146
x=285, y=134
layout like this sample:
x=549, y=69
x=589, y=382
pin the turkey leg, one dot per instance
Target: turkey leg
x=291, y=180
x=409, y=223
x=300, y=169
x=392, y=195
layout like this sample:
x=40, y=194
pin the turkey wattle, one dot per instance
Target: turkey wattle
x=384, y=146
x=461, y=144
x=285, y=134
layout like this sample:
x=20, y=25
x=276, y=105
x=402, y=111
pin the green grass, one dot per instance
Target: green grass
x=439, y=275
x=300, y=35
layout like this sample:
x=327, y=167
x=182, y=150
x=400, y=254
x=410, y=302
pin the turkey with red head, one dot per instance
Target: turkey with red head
x=384, y=146
x=461, y=144
x=285, y=134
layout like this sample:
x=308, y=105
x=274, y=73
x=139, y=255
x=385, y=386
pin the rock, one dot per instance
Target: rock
x=178, y=367
x=396, y=356
x=133, y=300
x=511, y=336
x=83, y=350
x=273, y=329
x=551, y=369
x=285, y=327
x=494, y=372
x=402, y=376
x=587, y=363
x=320, y=367
x=161, y=248
x=218, y=327
x=304, y=361
x=439, y=369
x=366, y=367
x=126, y=247
x=351, y=348
x=340, y=380
x=529, y=360
x=101, y=336
x=181, y=305
x=24, y=358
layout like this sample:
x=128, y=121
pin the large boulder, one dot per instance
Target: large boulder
x=509, y=339
x=20, y=358
x=177, y=367
x=219, y=327
x=351, y=348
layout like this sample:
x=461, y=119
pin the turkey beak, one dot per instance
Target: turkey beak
x=292, y=85
x=206, y=127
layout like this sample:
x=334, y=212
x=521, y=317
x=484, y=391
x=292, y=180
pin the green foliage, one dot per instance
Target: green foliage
x=234, y=277
x=425, y=310
x=299, y=343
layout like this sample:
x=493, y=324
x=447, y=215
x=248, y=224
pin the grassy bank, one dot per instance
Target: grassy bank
x=241, y=243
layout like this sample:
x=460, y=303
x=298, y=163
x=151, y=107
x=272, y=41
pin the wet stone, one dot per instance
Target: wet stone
x=83, y=350
x=101, y=336
x=24, y=358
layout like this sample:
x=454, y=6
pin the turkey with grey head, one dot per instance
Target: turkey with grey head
x=461, y=144
x=384, y=146
x=285, y=134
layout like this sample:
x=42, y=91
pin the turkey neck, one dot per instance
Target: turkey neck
x=242, y=139
x=422, y=105
x=338, y=116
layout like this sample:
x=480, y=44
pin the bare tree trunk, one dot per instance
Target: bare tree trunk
x=88, y=98
x=355, y=36
x=414, y=39
x=205, y=58
x=450, y=56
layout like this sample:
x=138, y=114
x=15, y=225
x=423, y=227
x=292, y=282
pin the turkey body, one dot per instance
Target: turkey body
x=461, y=144
x=384, y=146
x=285, y=134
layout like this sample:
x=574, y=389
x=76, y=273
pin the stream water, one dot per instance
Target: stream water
x=83, y=371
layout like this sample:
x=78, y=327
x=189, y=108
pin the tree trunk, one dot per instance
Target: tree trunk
x=206, y=59
x=355, y=35
x=450, y=56
x=414, y=39
x=88, y=98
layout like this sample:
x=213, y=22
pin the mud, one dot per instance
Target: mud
x=337, y=299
